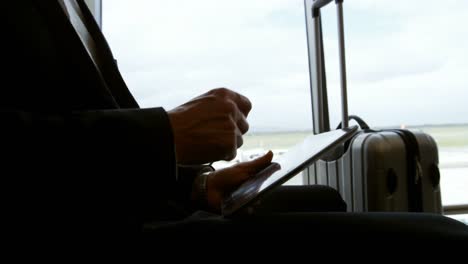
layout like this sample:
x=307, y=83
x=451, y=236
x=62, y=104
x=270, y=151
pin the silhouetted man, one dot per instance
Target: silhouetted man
x=81, y=159
x=78, y=145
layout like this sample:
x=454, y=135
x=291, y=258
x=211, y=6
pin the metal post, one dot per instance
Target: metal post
x=344, y=94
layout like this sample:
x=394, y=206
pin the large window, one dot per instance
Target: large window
x=172, y=51
x=407, y=64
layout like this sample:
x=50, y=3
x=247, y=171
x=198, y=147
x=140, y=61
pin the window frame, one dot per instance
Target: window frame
x=96, y=9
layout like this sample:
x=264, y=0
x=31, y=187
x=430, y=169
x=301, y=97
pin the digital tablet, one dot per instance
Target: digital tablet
x=288, y=165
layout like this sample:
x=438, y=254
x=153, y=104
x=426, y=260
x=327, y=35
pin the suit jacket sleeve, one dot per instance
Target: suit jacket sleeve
x=116, y=164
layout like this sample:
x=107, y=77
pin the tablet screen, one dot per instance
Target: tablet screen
x=288, y=165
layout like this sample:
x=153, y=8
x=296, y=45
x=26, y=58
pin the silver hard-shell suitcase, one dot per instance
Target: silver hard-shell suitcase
x=385, y=170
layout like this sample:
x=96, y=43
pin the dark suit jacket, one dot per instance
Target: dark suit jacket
x=76, y=146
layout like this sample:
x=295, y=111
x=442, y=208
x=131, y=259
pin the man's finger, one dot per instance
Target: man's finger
x=239, y=141
x=242, y=102
x=258, y=164
x=242, y=123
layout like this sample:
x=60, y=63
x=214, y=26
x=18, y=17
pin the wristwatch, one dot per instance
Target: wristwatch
x=201, y=187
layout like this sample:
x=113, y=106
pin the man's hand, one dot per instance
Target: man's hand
x=223, y=182
x=210, y=127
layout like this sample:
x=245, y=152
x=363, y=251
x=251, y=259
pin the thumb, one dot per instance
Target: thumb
x=258, y=164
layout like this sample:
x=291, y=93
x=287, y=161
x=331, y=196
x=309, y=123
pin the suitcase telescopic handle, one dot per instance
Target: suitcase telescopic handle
x=321, y=3
x=317, y=4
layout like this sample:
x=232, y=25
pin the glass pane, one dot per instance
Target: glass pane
x=171, y=51
x=462, y=218
x=452, y=142
x=407, y=63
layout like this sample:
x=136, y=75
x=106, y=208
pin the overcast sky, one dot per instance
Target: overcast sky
x=407, y=60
